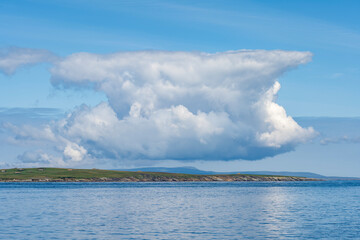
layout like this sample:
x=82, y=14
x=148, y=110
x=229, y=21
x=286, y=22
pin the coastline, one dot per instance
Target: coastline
x=96, y=175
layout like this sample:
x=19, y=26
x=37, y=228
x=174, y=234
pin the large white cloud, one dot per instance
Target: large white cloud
x=176, y=105
x=181, y=105
x=13, y=58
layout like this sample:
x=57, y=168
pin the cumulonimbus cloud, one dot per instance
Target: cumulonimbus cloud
x=13, y=58
x=178, y=105
x=182, y=105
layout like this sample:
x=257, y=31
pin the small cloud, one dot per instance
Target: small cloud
x=13, y=58
x=337, y=75
x=74, y=152
x=337, y=140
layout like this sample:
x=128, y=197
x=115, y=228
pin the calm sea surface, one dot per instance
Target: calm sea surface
x=252, y=210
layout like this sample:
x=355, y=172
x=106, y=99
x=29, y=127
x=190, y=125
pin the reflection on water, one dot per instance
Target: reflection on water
x=311, y=210
x=276, y=211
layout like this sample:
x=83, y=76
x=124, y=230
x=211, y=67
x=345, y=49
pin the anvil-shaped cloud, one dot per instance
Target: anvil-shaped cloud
x=177, y=105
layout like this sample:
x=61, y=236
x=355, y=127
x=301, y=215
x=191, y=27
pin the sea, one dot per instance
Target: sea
x=187, y=210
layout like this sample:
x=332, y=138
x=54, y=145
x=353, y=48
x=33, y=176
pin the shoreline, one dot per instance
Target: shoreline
x=97, y=175
x=200, y=179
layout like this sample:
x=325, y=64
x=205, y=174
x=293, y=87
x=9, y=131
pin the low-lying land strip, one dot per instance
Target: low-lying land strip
x=97, y=175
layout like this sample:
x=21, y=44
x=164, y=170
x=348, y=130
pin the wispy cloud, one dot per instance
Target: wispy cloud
x=269, y=23
x=13, y=58
x=343, y=139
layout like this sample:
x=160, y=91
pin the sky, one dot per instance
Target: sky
x=217, y=85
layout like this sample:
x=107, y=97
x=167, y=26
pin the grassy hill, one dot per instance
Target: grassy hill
x=97, y=175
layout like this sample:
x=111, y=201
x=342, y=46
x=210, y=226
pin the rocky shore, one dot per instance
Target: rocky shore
x=151, y=178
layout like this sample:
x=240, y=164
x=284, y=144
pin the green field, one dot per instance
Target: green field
x=97, y=175
x=60, y=173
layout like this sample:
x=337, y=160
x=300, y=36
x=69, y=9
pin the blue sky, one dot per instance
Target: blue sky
x=321, y=93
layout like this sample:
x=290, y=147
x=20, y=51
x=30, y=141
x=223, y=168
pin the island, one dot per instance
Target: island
x=98, y=175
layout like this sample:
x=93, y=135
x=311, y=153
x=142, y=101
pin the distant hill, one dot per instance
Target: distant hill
x=192, y=170
x=184, y=170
